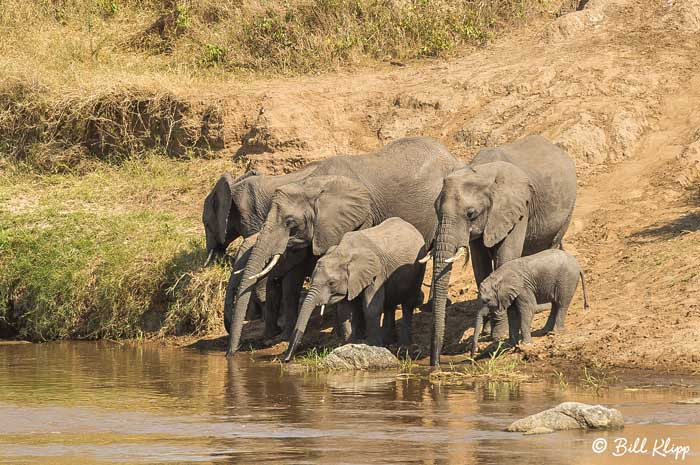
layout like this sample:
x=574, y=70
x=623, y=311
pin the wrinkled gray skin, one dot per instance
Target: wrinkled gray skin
x=278, y=290
x=378, y=267
x=237, y=207
x=550, y=276
x=510, y=201
x=348, y=193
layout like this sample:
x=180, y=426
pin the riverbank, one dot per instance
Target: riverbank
x=96, y=244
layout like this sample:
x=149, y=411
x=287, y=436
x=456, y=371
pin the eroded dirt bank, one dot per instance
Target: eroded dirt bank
x=616, y=85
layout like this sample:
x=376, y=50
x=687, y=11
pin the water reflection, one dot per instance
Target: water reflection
x=82, y=402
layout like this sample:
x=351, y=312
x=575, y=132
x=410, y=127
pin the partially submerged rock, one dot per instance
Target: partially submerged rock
x=359, y=357
x=539, y=430
x=571, y=415
x=693, y=401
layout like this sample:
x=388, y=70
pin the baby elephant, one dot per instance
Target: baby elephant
x=378, y=266
x=519, y=285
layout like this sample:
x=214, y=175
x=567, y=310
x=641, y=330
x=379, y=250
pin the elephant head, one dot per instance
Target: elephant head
x=482, y=201
x=497, y=292
x=316, y=212
x=340, y=274
x=225, y=211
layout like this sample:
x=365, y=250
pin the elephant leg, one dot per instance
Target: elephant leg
x=549, y=325
x=292, y=283
x=389, y=326
x=343, y=311
x=482, y=265
x=509, y=249
x=526, y=305
x=562, y=308
x=271, y=307
x=514, y=324
x=358, y=321
x=373, y=305
x=406, y=328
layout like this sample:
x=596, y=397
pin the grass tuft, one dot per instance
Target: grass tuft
x=499, y=366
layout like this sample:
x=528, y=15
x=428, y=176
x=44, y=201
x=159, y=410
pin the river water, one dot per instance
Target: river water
x=106, y=403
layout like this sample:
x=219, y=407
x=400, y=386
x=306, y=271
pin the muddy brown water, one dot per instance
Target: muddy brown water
x=105, y=403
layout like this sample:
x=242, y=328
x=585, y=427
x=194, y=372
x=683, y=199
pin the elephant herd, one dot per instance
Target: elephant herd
x=356, y=232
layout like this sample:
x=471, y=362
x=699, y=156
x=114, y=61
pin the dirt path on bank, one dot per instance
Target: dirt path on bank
x=616, y=84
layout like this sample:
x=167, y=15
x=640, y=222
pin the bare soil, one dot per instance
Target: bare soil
x=617, y=84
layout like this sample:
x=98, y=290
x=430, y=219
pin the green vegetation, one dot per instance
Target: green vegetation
x=498, y=366
x=596, y=377
x=313, y=357
x=111, y=253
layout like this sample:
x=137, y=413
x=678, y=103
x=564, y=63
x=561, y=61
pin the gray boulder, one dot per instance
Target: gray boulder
x=571, y=415
x=359, y=357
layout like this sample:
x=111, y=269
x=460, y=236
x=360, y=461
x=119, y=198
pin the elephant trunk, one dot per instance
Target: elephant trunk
x=446, y=245
x=259, y=256
x=478, y=326
x=312, y=300
x=234, y=282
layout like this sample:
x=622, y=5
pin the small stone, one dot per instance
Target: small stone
x=571, y=415
x=539, y=430
x=359, y=357
x=695, y=400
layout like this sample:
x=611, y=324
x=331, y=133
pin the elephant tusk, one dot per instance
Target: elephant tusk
x=427, y=257
x=239, y=271
x=267, y=269
x=460, y=252
x=323, y=307
x=209, y=257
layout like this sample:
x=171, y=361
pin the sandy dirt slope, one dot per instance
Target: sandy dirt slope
x=616, y=84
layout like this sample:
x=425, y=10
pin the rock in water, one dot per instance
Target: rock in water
x=359, y=357
x=571, y=415
x=695, y=400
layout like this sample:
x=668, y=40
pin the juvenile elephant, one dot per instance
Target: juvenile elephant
x=378, y=266
x=510, y=201
x=344, y=194
x=550, y=276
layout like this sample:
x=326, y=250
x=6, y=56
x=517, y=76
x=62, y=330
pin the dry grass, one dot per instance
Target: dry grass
x=108, y=79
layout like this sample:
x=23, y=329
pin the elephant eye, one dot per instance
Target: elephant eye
x=472, y=213
x=290, y=222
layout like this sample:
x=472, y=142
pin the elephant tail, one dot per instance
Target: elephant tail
x=583, y=287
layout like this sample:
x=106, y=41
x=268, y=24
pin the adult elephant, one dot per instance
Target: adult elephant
x=343, y=194
x=510, y=201
x=238, y=207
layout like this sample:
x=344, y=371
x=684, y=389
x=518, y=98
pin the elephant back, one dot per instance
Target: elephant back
x=553, y=177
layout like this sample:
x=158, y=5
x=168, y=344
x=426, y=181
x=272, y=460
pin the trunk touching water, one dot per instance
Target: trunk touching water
x=245, y=288
x=234, y=282
x=445, y=247
x=311, y=301
x=271, y=243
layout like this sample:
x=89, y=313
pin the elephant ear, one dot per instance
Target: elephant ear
x=341, y=205
x=507, y=289
x=362, y=269
x=222, y=201
x=510, y=193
